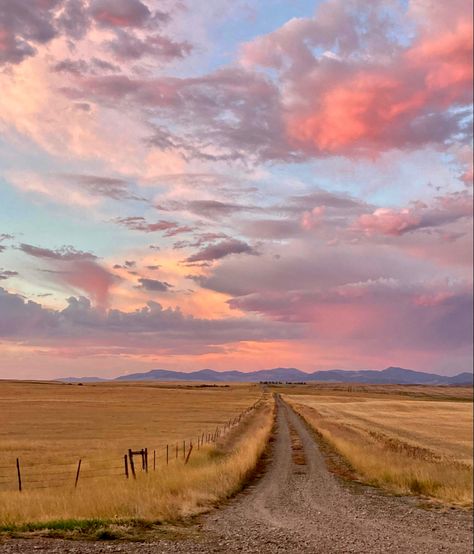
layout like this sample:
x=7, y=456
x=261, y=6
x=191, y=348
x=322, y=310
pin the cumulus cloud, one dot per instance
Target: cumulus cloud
x=368, y=92
x=446, y=209
x=151, y=328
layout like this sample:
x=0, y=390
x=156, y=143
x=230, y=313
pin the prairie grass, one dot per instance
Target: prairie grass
x=113, y=418
x=406, y=446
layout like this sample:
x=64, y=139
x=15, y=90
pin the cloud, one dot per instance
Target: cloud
x=208, y=208
x=151, y=328
x=221, y=250
x=447, y=209
x=355, y=88
x=419, y=318
x=389, y=222
x=138, y=223
x=153, y=285
x=77, y=269
x=126, y=46
x=65, y=253
x=3, y=237
x=229, y=114
x=110, y=187
x=6, y=274
x=120, y=13
x=25, y=24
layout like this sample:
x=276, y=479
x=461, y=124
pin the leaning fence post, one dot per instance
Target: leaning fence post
x=184, y=449
x=189, y=454
x=18, y=473
x=125, y=463
x=132, y=465
x=77, y=473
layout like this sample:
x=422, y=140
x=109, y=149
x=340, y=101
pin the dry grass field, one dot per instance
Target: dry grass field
x=394, y=439
x=50, y=426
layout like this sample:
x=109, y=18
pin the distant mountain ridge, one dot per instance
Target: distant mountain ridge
x=390, y=375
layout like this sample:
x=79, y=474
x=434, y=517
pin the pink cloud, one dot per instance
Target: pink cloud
x=373, y=94
x=77, y=269
x=119, y=13
x=91, y=278
x=444, y=211
x=388, y=222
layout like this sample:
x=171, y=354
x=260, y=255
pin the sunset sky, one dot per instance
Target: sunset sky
x=235, y=184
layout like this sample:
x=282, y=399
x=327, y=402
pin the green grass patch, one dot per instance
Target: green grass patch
x=90, y=529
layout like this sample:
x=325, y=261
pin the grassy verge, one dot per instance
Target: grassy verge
x=118, y=508
x=392, y=464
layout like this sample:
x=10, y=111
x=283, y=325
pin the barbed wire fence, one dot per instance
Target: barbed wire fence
x=19, y=476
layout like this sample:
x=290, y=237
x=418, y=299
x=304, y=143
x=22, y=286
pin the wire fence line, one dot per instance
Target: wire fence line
x=20, y=476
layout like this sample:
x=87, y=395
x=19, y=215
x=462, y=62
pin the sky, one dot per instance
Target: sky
x=235, y=185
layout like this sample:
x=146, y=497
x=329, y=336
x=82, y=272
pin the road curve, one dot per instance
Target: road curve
x=298, y=506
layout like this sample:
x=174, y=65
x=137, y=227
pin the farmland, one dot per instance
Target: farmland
x=50, y=426
x=408, y=440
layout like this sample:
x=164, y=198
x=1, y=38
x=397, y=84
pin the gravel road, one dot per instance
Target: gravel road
x=297, y=506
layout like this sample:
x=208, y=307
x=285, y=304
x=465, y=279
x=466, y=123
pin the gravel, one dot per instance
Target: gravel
x=296, y=508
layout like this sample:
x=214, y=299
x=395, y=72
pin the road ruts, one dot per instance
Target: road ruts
x=298, y=506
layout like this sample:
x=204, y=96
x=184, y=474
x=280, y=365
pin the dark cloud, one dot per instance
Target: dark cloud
x=80, y=66
x=4, y=236
x=153, y=285
x=24, y=24
x=73, y=20
x=6, y=274
x=221, y=250
x=64, y=254
x=151, y=328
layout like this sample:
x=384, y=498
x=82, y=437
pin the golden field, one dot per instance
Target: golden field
x=50, y=426
x=394, y=439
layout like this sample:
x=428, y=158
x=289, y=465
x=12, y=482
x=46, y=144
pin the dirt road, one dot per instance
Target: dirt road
x=297, y=506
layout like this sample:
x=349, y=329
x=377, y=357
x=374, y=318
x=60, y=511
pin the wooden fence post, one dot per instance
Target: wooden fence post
x=18, y=473
x=176, y=450
x=167, y=455
x=132, y=465
x=145, y=457
x=77, y=473
x=125, y=463
x=189, y=453
x=154, y=460
x=184, y=450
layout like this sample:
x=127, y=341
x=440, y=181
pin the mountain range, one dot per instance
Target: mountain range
x=390, y=375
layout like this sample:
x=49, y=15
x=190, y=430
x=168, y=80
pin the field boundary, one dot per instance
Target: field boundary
x=21, y=478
